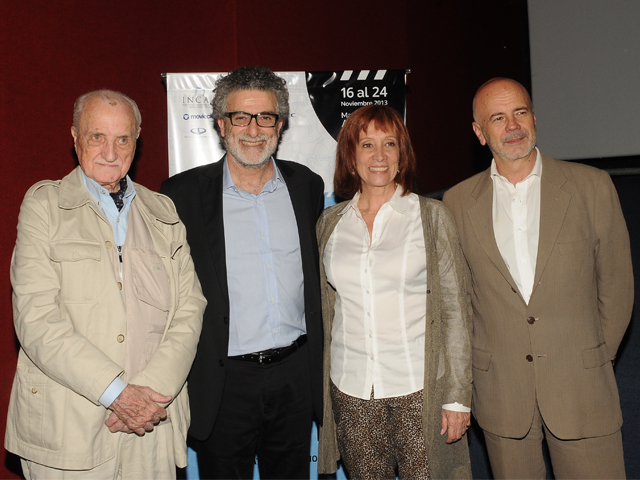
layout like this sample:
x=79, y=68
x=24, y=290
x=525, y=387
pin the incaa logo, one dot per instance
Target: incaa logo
x=195, y=99
x=198, y=131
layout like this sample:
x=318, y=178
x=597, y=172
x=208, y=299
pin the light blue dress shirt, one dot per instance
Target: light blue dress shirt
x=264, y=266
x=119, y=221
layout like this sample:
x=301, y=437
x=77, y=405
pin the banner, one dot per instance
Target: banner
x=320, y=102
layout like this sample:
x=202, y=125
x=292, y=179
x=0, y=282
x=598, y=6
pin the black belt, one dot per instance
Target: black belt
x=272, y=355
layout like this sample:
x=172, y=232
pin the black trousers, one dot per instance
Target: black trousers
x=265, y=410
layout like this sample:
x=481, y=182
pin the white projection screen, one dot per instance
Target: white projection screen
x=585, y=73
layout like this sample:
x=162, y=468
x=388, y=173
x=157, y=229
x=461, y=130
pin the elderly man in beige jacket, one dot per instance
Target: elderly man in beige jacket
x=108, y=311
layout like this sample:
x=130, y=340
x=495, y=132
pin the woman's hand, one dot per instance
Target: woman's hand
x=455, y=423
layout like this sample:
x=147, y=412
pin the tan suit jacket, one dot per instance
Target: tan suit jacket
x=557, y=350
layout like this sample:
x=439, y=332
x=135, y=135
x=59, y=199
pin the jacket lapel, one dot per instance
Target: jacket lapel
x=210, y=183
x=554, y=203
x=300, y=208
x=481, y=219
x=328, y=225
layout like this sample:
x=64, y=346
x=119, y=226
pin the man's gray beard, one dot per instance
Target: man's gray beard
x=497, y=149
x=243, y=163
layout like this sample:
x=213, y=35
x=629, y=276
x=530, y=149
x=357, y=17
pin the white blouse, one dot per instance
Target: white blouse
x=379, y=325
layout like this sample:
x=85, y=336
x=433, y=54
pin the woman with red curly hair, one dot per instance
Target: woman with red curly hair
x=397, y=334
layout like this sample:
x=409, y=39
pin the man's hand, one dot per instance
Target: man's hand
x=116, y=425
x=136, y=410
x=456, y=423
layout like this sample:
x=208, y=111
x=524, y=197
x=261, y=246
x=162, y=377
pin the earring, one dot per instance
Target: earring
x=353, y=172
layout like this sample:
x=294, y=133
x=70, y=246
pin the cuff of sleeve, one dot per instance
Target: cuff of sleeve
x=114, y=389
x=456, y=407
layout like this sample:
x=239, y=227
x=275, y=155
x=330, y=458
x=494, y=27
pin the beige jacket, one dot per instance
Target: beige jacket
x=556, y=351
x=447, y=341
x=71, y=322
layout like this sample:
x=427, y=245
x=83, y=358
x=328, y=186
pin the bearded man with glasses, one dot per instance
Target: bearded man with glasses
x=257, y=378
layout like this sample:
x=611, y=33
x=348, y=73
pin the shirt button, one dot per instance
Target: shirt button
x=367, y=291
x=531, y=320
x=108, y=244
x=34, y=390
x=261, y=235
x=120, y=285
x=529, y=358
x=268, y=267
x=271, y=299
x=120, y=338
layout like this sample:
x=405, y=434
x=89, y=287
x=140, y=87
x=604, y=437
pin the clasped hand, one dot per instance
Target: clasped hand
x=136, y=410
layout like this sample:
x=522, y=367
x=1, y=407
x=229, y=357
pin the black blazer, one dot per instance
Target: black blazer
x=197, y=194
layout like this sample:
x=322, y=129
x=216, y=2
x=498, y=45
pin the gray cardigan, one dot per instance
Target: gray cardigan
x=447, y=373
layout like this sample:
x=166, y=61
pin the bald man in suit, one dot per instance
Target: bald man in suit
x=551, y=287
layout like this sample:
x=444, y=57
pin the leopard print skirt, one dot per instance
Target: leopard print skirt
x=377, y=435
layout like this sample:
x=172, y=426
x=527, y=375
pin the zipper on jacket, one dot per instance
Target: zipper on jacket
x=120, y=263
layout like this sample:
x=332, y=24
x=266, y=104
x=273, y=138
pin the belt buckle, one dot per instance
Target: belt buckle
x=260, y=358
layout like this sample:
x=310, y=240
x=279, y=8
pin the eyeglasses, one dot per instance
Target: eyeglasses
x=243, y=119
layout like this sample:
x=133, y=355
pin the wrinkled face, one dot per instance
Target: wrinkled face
x=105, y=141
x=505, y=121
x=251, y=146
x=377, y=157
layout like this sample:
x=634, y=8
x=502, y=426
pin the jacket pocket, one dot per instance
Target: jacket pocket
x=153, y=293
x=81, y=276
x=40, y=403
x=574, y=248
x=481, y=359
x=596, y=356
x=150, y=280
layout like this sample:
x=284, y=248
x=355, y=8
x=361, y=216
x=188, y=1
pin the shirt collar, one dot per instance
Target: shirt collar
x=397, y=202
x=270, y=186
x=96, y=190
x=537, y=167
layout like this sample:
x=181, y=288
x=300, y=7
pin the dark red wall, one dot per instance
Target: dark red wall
x=51, y=52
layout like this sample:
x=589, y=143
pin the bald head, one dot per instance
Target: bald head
x=495, y=86
x=110, y=96
x=504, y=120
